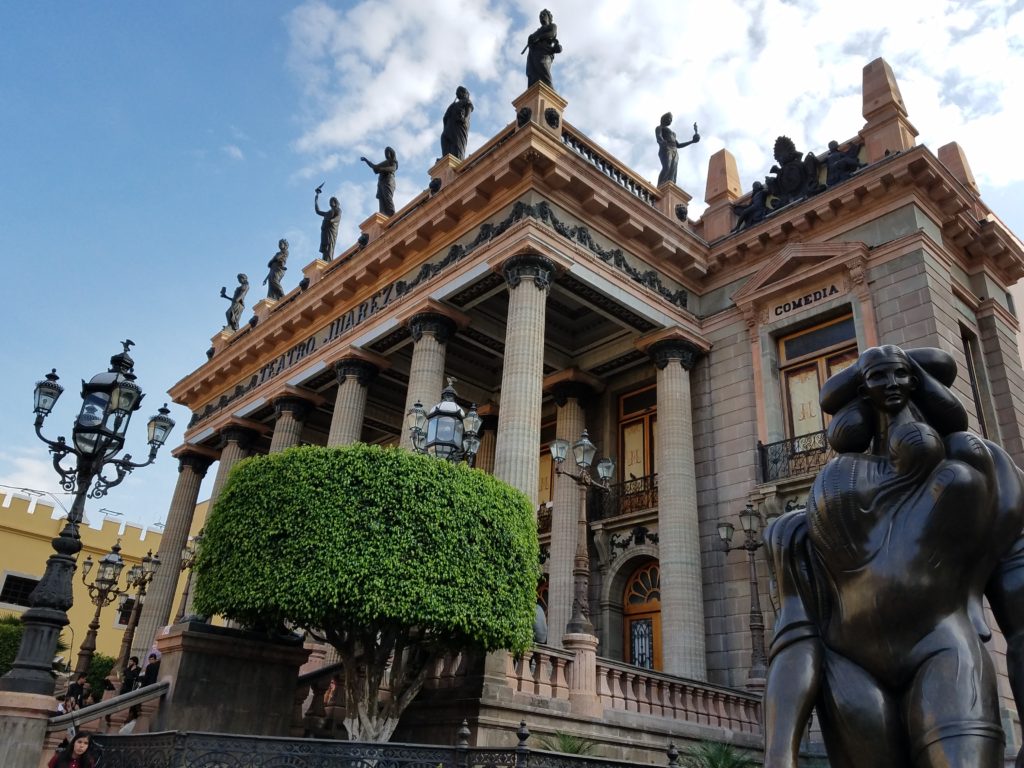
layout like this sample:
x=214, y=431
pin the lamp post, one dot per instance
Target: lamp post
x=102, y=592
x=750, y=522
x=108, y=401
x=188, y=559
x=583, y=452
x=138, y=578
x=447, y=432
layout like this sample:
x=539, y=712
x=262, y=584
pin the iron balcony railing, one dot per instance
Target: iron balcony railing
x=634, y=495
x=794, y=457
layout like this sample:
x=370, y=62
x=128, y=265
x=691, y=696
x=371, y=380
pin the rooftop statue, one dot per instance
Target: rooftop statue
x=542, y=46
x=754, y=210
x=880, y=578
x=455, y=135
x=277, y=269
x=668, y=146
x=385, y=171
x=795, y=176
x=329, y=225
x=841, y=164
x=237, y=299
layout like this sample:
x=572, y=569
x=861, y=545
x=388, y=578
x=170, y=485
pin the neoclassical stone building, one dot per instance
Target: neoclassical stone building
x=562, y=292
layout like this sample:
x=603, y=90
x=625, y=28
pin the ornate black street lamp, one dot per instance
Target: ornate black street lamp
x=102, y=592
x=447, y=432
x=108, y=401
x=750, y=522
x=188, y=559
x=138, y=578
x=583, y=452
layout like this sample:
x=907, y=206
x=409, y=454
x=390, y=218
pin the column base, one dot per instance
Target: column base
x=23, y=718
x=583, y=698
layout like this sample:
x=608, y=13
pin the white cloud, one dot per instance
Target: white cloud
x=233, y=151
x=382, y=73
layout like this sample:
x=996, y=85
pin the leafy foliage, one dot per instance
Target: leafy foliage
x=99, y=669
x=387, y=553
x=713, y=754
x=568, y=744
x=10, y=638
x=11, y=630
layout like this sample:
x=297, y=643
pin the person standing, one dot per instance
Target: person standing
x=149, y=676
x=132, y=672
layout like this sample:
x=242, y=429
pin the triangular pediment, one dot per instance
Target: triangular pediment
x=795, y=263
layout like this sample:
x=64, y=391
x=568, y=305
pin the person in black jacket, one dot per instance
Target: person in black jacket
x=132, y=672
x=152, y=670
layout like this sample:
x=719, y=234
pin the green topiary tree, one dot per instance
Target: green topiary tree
x=714, y=754
x=99, y=669
x=395, y=558
x=10, y=638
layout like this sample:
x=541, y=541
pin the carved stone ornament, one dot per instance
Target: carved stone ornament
x=364, y=238
x=361, y=370
x=682, y=212
x=235, y=434
x=563, y=391
x=529, y=265
x=296, y=406
x=439, y=326
x=435, y=185
x=523, y=116
x=197, y=462
x=551, y=117
x=683, y=352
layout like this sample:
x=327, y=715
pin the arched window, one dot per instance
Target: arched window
x=641, y=609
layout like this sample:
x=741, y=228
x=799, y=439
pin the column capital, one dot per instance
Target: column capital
x=528, y=265
x=564, y=391
x=357, y=368
x=235, y=433
x=441, y=327
x=572, y=382
x=675, y=350
x=298, y=407
x=197, y=462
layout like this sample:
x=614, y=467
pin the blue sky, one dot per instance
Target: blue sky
x=150, y=151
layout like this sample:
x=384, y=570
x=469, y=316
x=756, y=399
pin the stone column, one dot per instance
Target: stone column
x=354, y=375
x=430, y=331
x=291, y=417
x=156, y=610
x=235, y=444
x=682, y=599
x=569, y=426
x=517, y=453
x=488, y=439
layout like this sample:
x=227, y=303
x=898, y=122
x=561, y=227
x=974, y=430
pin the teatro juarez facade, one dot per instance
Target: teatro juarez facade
x=564, y=292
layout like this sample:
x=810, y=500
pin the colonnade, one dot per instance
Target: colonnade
x=510, y=452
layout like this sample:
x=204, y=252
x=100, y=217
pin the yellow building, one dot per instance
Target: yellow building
x=27, y=524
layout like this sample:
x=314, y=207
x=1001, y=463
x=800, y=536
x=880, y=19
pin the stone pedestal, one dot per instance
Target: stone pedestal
x=539, y=99
x=722, y=190
x=671, y=198
x=887, y=129
x=220, y=339
x=315, y=270
x=263, y=307
x=23, y=719
x=583, y=698
x=227, y=680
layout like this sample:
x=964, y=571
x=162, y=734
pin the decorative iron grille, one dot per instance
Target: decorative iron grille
x=633, y=495
x=794, y=457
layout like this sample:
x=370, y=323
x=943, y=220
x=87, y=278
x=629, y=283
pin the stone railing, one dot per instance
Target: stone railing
x=549, y=673
x=631, y=689
x=794, y=456
x=613, y=170
x=107, y=716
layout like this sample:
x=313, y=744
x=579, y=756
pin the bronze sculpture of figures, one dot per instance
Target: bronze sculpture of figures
x=277, y=269
x=668, y=148
x=542, y=46
x=841, y=164
x=455, y=135
x=329, y=225
x=237, y=299
x=385, y=171
x=880, y=579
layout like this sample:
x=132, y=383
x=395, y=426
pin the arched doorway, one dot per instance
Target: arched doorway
x=641, y=617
